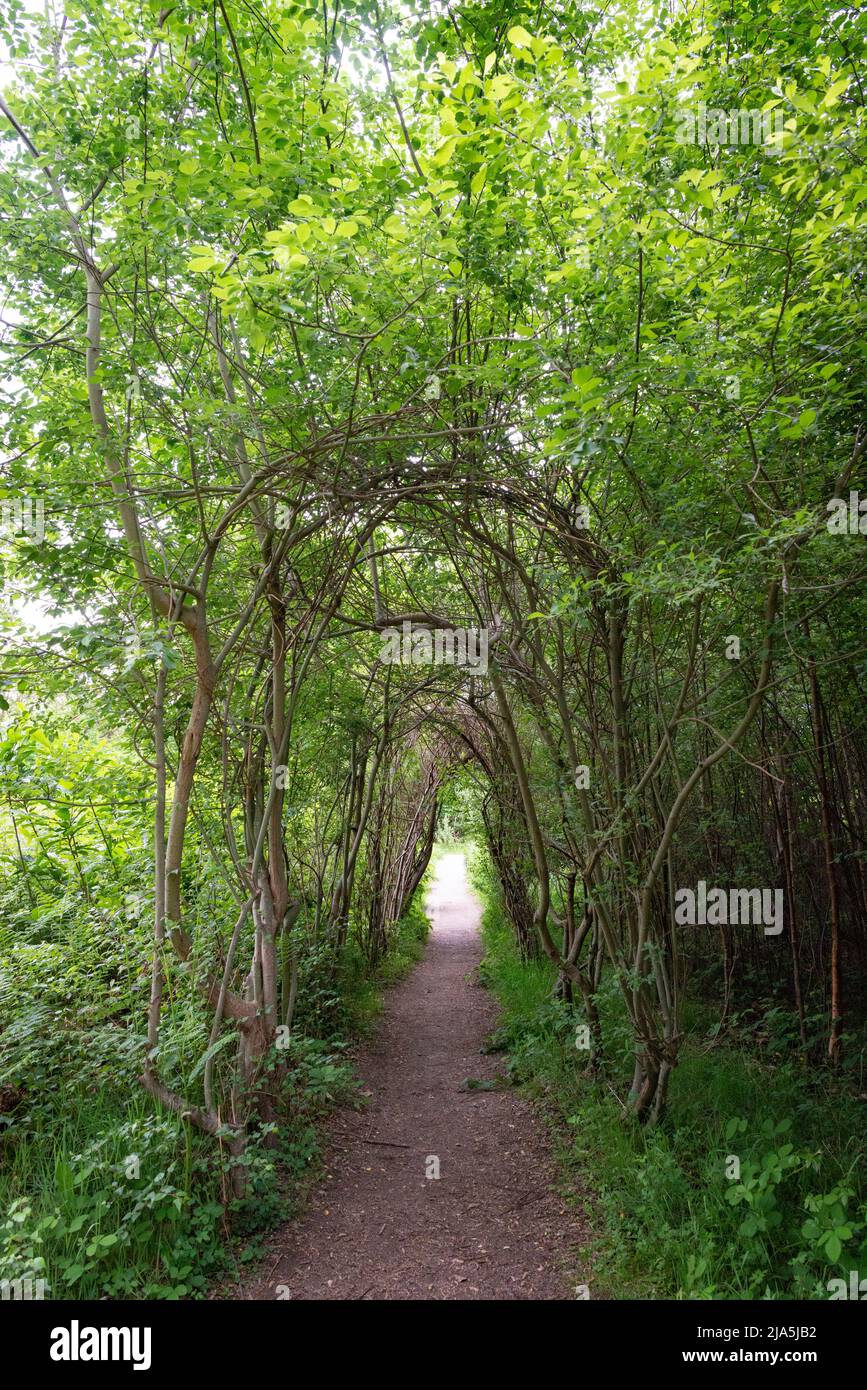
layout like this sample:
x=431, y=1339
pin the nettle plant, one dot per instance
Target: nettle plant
x=773, y=1194
x=763, y=1181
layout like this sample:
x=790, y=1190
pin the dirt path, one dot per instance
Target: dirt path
x=489, y=1227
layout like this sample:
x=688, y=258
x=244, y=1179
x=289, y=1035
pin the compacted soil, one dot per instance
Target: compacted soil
x=380, y=1224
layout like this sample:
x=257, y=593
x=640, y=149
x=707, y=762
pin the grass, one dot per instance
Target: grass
x=361, y=990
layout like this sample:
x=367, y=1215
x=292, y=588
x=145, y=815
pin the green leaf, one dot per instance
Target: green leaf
x=444, y=152
x=393, y=226
x=211, y=1052
x=835, y=91
x=519, y=37
x=479, y=180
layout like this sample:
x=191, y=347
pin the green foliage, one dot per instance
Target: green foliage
x=361, y=989
x=451, y=311
x=103, y=1198
x=672, y=1224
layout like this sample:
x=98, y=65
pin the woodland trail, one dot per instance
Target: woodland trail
x=491, y=1226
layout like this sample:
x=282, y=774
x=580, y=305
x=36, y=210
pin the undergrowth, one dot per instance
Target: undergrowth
x=102, y=1194
x=752, y=1186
